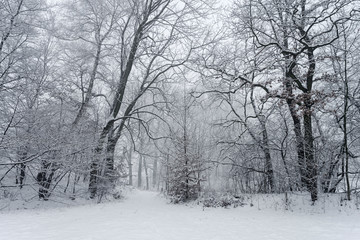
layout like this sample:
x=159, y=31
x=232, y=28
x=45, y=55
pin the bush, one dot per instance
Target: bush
x=225, y=201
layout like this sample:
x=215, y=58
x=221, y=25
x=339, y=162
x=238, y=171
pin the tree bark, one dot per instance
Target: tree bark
x=146, y=174
x=129, y=160
x=264, y=145
x=95, y=164
x=22, y=153
x=155, y=169
x=140, y=172
x=44, y=179
x=311, y=166
x=268, y=163
x=110, y=174
x=345, y=120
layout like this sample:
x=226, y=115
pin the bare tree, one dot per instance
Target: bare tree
x=147, y=42
x=290, y=31
x=91, y=28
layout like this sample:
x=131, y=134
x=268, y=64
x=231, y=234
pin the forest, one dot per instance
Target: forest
x=185, y=97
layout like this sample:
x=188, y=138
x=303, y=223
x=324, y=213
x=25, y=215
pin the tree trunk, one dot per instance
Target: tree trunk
x=94, y=175
x=268, y=164
x=264, y=145
x=89, y=91
x=298, y=134
x=20, y=179
x=167, y=174
x=311, y=166
x=345, y=119
x=44, y=180
x=290, y=63
x=146, y=174
x=329, y=182
x=129, y=160
x=155, y=169
x=140, y=172
x=110, y=175
x=95, y=165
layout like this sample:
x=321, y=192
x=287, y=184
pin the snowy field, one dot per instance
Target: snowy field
x=145, y=215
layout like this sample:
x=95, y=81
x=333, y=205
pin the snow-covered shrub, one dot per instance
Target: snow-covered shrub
x=224, y=200
x=182, y=191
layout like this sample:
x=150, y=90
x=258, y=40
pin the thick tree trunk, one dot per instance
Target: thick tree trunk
x=110, y=175
x=94, y=175
x=311, y=166
x=291, y=102
x=304, y=143
x=95, y=165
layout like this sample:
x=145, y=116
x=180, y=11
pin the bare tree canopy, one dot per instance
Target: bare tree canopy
x=184, y=97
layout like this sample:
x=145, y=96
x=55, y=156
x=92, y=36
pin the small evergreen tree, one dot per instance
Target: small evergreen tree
x=186, y=161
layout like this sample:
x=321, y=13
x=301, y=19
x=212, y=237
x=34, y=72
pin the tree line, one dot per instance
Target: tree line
x=245, y=96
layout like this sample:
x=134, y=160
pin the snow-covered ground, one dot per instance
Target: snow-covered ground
x=145, y=215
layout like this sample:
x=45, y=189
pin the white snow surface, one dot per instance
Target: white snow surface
x=147, y=216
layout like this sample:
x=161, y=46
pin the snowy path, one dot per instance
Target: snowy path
x=145, y=216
